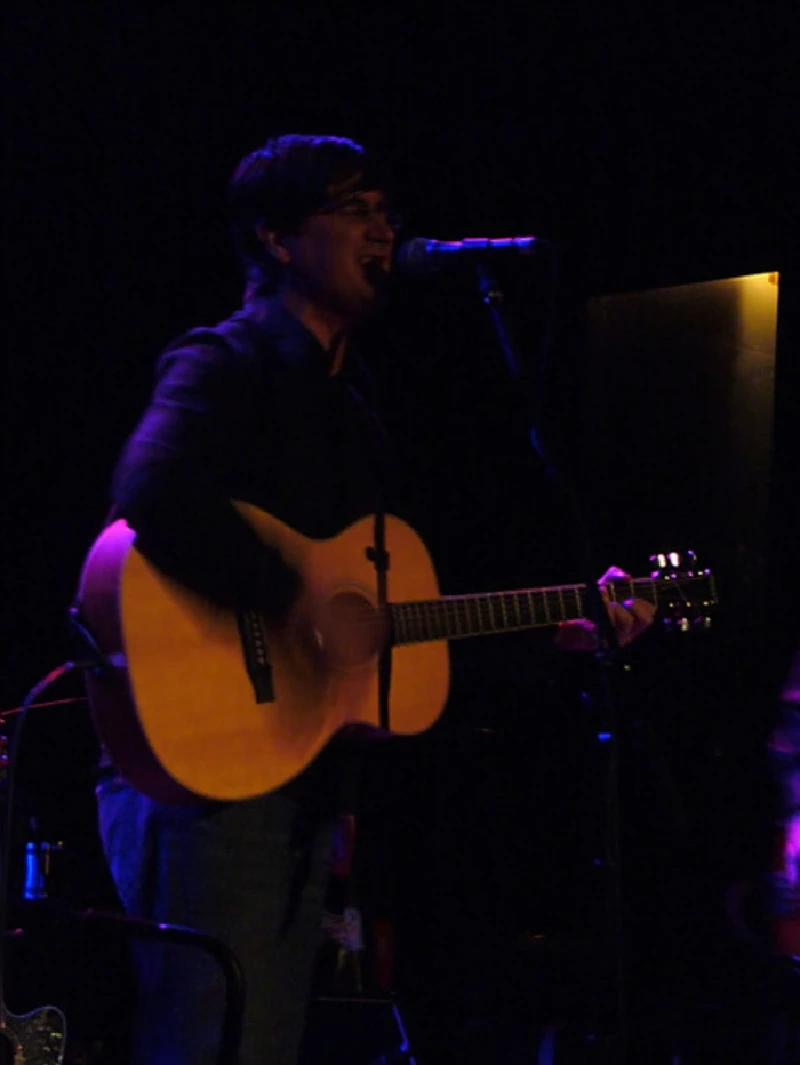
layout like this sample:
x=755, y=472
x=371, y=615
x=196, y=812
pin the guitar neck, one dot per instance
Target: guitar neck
x=456, y=617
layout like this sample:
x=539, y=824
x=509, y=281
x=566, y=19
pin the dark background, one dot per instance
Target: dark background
x=653, y=148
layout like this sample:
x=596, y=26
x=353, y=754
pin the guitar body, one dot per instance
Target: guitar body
x=36, y=1038
x=180, y=713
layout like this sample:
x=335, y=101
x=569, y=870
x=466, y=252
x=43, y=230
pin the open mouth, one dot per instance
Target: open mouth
x=375, y=269
x=376, y=262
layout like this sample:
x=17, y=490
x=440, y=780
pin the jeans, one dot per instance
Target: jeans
x=252, y=874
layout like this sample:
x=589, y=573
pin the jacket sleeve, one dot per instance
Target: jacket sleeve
x=170, y=483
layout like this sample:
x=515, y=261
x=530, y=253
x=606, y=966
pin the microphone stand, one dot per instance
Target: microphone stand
x=492, y=296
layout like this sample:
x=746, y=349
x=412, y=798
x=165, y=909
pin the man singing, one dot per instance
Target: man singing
x=268, y=407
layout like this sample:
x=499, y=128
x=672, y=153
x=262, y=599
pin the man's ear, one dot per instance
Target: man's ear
x=272, y=244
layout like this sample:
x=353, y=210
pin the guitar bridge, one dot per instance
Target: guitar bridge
x=253, y=633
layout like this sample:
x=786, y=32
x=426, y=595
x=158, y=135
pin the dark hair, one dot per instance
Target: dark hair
x=284, y=182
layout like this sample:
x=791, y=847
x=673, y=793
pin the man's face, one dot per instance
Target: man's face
x=340, y=256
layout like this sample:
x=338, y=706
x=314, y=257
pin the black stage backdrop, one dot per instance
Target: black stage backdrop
x=653, y=149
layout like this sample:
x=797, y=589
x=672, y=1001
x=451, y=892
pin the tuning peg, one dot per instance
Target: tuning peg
x=672, y=564
x=688, y=593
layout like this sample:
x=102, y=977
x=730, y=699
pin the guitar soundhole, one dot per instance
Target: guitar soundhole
x=359, y=629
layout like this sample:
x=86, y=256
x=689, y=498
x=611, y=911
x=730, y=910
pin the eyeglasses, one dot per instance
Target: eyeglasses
x=358, y=208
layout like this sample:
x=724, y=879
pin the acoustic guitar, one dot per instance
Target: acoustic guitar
x=200, y=702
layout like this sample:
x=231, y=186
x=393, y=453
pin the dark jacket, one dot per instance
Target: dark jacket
x=248, y=410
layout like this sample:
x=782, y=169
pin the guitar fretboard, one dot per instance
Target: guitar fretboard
x=459, y=616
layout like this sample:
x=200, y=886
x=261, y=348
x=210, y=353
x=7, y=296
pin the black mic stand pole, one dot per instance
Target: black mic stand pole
x=595, y=609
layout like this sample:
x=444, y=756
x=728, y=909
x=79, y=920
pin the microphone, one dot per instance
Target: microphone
x=422, y=256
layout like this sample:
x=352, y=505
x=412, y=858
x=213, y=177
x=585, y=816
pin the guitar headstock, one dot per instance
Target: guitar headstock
x=687, y=593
